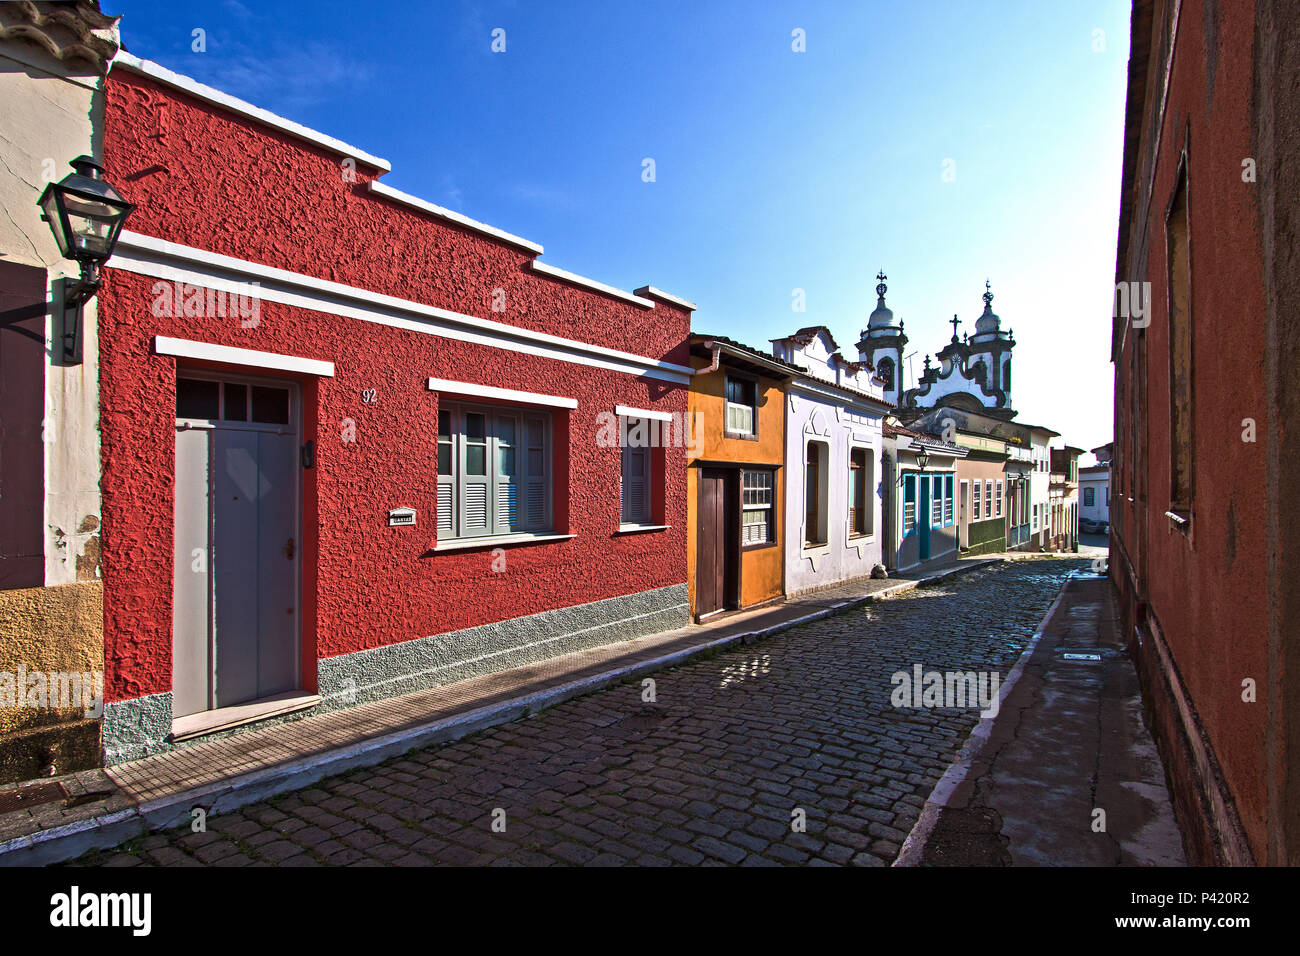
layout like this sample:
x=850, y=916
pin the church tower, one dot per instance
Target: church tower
x=988, y=359
x=882, y=345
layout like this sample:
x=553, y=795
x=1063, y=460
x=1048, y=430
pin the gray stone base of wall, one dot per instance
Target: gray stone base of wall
x=141, y=726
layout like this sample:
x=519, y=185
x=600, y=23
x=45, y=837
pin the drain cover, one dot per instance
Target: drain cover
x=1081, y=657
x=26, y=797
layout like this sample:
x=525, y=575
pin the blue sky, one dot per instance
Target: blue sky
x=775, y=170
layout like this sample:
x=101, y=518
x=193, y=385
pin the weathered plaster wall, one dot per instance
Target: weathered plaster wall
x=50, y=630
x=52, y=115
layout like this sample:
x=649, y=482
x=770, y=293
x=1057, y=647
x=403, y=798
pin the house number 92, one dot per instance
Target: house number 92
x=370, y=395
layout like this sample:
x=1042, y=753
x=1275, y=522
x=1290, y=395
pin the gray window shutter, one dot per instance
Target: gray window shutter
x=505, y=469
x=475, y=475
x=635, y=486
x=447, y=482
x=536, y=470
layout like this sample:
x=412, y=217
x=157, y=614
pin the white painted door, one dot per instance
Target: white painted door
x=235, y=633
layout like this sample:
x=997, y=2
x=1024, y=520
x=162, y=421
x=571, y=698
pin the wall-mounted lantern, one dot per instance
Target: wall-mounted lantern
x=922, y=458
x=86, y=215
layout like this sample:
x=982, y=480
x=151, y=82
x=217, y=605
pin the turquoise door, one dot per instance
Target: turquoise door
x=923, y=513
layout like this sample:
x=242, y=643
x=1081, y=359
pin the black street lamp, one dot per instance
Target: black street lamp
x=86, y=215
x=922, y=458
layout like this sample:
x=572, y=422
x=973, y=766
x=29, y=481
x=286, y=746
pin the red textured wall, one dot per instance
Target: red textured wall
x=218, y=182
x=1207, y=590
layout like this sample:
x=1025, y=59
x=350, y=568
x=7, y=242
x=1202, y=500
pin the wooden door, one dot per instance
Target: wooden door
x=712, y=554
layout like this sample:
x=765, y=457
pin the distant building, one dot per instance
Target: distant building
x=1094, y=494
x=1063, y=513
x=1025, y=494
x=919, y=497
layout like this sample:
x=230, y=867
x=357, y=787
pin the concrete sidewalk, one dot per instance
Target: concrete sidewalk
x=106, y=807
x=1066, y=774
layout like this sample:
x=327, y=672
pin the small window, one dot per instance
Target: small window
x=198, y=398
x=742, y=406
x=758, y=525
x=234, y=402
x=988, y=499
x=270, y=405
x=815, y=493
x=861, y=487
x=936, y=502
x=975, y=511
x=1089, y=497
x=997, y=502
x=947, y=500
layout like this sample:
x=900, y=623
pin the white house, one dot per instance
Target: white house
x=833, y=450
x=1094, y=494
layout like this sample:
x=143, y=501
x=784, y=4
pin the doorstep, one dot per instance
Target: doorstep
x=225, y=718
x=158, y=792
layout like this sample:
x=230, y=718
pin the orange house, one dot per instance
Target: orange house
x=735, y=484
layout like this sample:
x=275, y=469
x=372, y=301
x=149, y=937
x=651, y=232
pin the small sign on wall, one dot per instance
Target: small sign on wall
x=401, y=518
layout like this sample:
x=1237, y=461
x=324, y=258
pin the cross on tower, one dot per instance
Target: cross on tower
x=954, y=321
x=881, y=288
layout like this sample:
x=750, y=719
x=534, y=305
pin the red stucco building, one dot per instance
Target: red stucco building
x=352, y=441
x=1205, y=530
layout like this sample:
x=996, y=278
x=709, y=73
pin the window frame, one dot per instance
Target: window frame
x=770, y=507
x=817, y=498
x=727, y=403
x=495, y=479
x=865, y=525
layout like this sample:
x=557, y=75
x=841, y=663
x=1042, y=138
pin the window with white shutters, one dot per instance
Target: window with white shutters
x=493, y=471
x=997, y=502
x=757, y=524
x=909, y=504
x=742, y=406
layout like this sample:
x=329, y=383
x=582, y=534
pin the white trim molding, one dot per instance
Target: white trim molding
x=628, y=412
x=230, y=355
x=414, y=202
x=502, y=394
x=488, y=541
x=649, y=291
x=576, y=279
x=185, y=84
x=174, y=262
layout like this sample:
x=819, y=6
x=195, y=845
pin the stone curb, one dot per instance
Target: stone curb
x=68, y=841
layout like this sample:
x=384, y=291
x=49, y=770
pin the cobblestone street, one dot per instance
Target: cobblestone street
x=709, y=773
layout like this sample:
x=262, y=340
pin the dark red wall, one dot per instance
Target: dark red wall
x=1205, y=590
x=221, y=183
